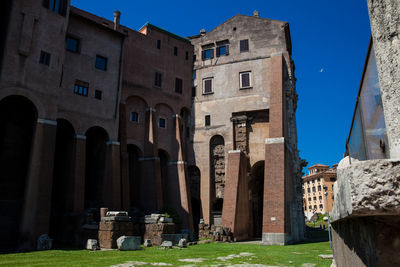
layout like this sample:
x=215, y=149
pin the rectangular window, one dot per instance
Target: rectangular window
x=187, y=55
x=158, y=44
x=208, y=86
x=158, y=79
x=193, y=91
x=222, y=50
x=101, y=63
x=72, y=44
x=313, y=189
x=98, y=94
x=245, y=80
x=308, y=190
x=175, y=51
x=244, y=45
x=207, y=53
x=58, y=6
x=319, y=188
x=44, y=58
x=81, y=88
x=207, y=120
x=320, y=197
x=134, y=117
x=162, y=123
x=178, y=85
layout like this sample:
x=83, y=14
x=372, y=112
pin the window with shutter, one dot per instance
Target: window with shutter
x=244, y=45
x=207, y=54
x=245, y=80
x=222, y=50
x=207, y=86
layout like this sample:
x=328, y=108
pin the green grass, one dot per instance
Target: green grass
x=293, y=255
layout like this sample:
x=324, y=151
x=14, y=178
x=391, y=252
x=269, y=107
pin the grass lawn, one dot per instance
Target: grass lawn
x=293, y=255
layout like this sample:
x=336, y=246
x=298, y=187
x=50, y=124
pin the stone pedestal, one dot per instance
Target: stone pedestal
x=155, y=231
x=113, y=227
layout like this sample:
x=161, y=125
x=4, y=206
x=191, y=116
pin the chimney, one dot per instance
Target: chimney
x=256, y=14
x=117, y=16
x=202, y=32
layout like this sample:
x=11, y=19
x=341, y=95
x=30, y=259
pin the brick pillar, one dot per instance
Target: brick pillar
x=185, y=207
x=235, y=212
x=275, y=217
x=124, y=158
x=112, y=183
x=37, y=208
x=151, y=197
x=79, y=174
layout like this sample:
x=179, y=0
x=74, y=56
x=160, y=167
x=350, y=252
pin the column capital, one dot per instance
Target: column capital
x=113, y=142
x=45, y=121
x=151, y=109
x=177, y=116
x=80, y=136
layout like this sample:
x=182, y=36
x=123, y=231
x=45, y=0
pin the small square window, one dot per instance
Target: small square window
x=72, y=44
x=178, y=85
x=98, y=94
x=175, y=51
x=162, y=123
x=134, y=117
x=101, y=63
x=208, y=86
x=58, y=6
x=244, y=45
x=207, y=53
x=245, y=80
x=44, y=58
x=207, y=120
x=222, y=50
x=81, y=88
x=158, y=79
x=158, y=44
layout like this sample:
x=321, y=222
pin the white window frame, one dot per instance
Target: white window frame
x=240, y=80
x=204, y=85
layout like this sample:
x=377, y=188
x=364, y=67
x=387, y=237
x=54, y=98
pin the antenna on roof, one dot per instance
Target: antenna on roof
x=256, y=14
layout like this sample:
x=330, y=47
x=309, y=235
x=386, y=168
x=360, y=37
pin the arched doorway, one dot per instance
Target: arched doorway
x=18, y=116
x=62, y=192
x=256, y=195
x=194, y=179
x=134, y=154
x=164, y=159
x=96, y=138
x=217, y=177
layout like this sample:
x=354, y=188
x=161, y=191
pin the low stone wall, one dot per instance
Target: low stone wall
x=110, y=231
x=215, y=233
x=156, y=231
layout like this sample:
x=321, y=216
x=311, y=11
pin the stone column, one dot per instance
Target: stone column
x=276, y=213
x=112, y=183
x=37, y=208
x=151, y=197
x=79, y=174
x=385, y=16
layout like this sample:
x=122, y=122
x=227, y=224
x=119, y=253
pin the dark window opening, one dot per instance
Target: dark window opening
x=81, y=88
x=178, y=85
x=101, y=63
x=158, y=44
x=158, y=79
x=162, y=123
x=44, y=58
x=207, y=86
x=98, y=94
x=207, y=120
x=244, y=45
x=222, y=50
x=187, y=55
x=207, y=54
x=134, y=117
x=72, y=44
x=245, y=80
x=58, y=6
x=187, y=133
x=175, y=51
x=193, y=91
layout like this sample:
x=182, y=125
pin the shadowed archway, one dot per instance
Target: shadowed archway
x=256, y=195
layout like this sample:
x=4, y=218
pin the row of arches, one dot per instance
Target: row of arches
x=18, y=119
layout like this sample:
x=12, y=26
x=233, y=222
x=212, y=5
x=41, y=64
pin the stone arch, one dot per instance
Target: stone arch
x=134, y=168
x=18, y=117
x=63, y=182
x=256, y=196
x=16, y=91
x=217, y=176
x=136, y=104
x=96, y=147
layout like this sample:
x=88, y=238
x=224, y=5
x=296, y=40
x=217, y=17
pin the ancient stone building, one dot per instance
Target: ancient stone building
x=245, y=100
x=366, y=212
x=94, y=114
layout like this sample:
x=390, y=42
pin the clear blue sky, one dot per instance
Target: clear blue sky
x=329, y=37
